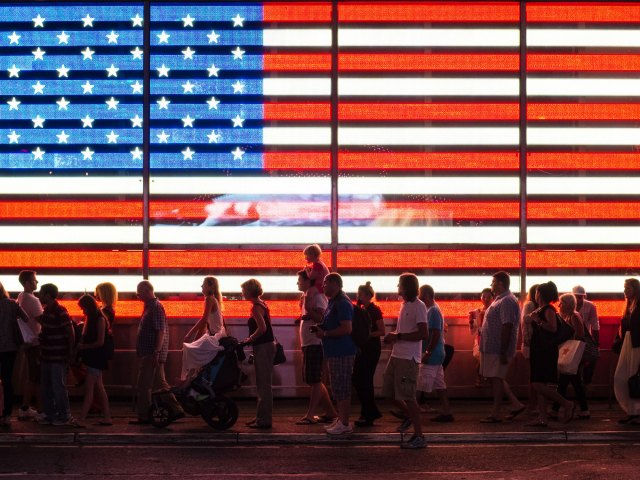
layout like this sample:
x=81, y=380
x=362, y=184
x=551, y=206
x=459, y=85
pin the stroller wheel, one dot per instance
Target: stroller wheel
x=159, y=414
x=220, y=412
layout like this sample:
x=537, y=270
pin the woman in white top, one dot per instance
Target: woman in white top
x=201, y=343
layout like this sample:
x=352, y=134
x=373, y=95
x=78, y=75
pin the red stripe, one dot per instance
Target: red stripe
x=583, y=210
x=303, y=12
x=425, y=211
x=583, y=161
x=429, y=161
x=310, y=111
x=583, y=12
x=297, y=161
x=428, y=61
x=584, y=111
x=70, y=259
x=582, y=62
x=294, y=62
x=583, y=259
x=432, y=12
x=421, y=259
x=231, y=259
x=428, y=111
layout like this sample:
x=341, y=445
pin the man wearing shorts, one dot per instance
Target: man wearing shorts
x=401, y=373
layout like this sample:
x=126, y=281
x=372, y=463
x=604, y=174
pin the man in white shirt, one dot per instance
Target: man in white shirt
x=32, y=306
x=589, y=314
x=401, y=373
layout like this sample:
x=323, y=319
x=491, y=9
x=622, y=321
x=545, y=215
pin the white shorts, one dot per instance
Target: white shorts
x=490, y=366
x=431, y=377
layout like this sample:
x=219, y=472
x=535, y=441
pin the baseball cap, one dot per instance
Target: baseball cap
x=579, y=290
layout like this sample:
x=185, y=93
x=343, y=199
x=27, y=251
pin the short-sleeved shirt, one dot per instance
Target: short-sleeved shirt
x=435, y=321
x=318, y=271
x=505, y=309
x=32, y=306
x=153, y=319
x=589, y=316
x=411, y=314
x=55, y=333
x=317, y=301
x=339, y=309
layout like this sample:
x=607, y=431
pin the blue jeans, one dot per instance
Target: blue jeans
x=53, y=383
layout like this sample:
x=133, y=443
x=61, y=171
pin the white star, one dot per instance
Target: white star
x=88, y=21
x=63, y=104
x=112, y=137
x=188, y=53
x=163, y=137
x=137, y=87
x=238, y=87
x=188, y=154
x=112, y=71
x=238, y=121
x=136, y=121
x=13, y=104
x=87, y=53
x=137, y=153
x=238, y=153
x=63, y=71
x=63, y=38
x=137, y=53
x=187, y=121
x=213, y=137
x=163, y=71
x=14, y=71
x=38, y=122
x=137, y=20
x=237, y=21
x=38, y=54
x=112, y=104
x=38, y=154
x=87, y=154
x=213, y=103
x=13, y=137
x=163, y=37
x=163, y=104
x=62, y=137
x=13, y=38
x=113, y=37
x=38, y=21
x=38, y=88
x=188, y=21
x=87, y=88
x=237, y=53
x=188, y=87
x=213, y=71
x=213, y=37
x=87, y=121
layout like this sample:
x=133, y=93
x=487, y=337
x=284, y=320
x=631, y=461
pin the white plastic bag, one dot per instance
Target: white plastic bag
x=570, y=356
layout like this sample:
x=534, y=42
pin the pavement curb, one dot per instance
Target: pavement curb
x=37, y=438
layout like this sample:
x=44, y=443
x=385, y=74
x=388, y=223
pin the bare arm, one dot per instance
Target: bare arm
x=549, y=324
x=421, y=334
x=210, y=305
x=261, y=325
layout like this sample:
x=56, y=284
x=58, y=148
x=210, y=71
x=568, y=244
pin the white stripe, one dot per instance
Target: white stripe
x=296, y=135
x=297, y=37
x=583, y=185
x=592, y=37
x=69, y=234
x=428, y=136
x=583, y=235
x=476, y=86
x=428, y=37
x=247, y=235
x=54, y=185
x=77, y=283
x=591, y=283
x=307, y=185
x=574, y=87
x=307, y=86
x=428, y=235
x=582, y=136
x=428, y=186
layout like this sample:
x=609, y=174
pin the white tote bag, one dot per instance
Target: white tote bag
x=28, y=336
x=570, y=356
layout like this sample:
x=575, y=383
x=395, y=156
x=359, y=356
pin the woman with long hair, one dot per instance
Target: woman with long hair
x=629, y=361
x=107, y=295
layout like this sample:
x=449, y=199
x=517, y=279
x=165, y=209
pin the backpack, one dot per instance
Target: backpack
x=360, y=326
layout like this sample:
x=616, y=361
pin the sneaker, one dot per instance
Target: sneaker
x=69, y=422
x=414, y=443
x=584, y=415
x=27, y=414
x=331, y=425
x=39, y=416
x=404, y=426
x=44, y=420
x=442, y=418
x=339, y=429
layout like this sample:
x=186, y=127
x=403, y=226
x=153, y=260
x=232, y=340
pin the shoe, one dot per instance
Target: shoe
x=514, y=413
x=260, y=426
x=490, y=419
x=250, y=422
x=339, y=429
x=442, y=418
x=363, y=422
x=26, y=414
x=331, y=425
x=325, y=419
x=306, y=421
x=415, y=442
x=139, y=421
x=404, y=426
x=39, y=416
x=584, y=415
x=44, y=420
x=569, y=413
x=69, y=422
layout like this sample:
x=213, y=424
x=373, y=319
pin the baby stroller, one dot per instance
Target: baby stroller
x=203, y=395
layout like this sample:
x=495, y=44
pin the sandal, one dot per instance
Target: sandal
x=514, y=413
x=306, y=421
x=490, y=419
x=324, y=419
